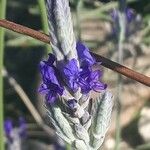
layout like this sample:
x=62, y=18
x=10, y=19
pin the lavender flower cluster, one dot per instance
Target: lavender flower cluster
x=68, y=79
x=9, y=128
x=76, y=76
x=130, y=17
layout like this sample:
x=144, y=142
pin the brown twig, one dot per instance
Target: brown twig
x=105, y=62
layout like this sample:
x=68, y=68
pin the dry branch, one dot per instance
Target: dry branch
x=105, y=62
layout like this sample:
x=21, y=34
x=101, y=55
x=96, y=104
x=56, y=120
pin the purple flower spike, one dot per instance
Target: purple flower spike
x=8, y=127
x=129, y=15
x=72, y=104
x=114, y=15
x=84, y=55
x=50, y=86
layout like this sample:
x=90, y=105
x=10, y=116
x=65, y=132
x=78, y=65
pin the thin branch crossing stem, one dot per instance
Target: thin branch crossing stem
x=105, y=62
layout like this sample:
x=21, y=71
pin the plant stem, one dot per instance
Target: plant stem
x=2, y=16
x=121, y=37
x=44, y=20
x=78, y=18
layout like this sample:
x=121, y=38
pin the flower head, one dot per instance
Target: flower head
x=75, y=73
x=9, y=128
x=84, y=78
x=129, y=18
x=130, y=15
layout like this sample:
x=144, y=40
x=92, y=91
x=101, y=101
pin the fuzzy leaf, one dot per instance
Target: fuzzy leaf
x=61, y=124
x=101, y=119
x=61, y=29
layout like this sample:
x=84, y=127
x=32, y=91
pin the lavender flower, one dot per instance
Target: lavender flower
x=71, y=74
x=84, y=77
x=15, y=135
x=92, y=81
x=70, y=80
x=50, y=86
x=128, y=13
x=8, y=127
x=84, y=55
x=75, y=77
x=130, y=17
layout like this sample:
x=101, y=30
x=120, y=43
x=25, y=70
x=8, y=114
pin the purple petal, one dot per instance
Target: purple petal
x=114, y=15
x=98, y=86
x=8, y=126
x=51, y=97
x=60, y=90
x=71, y=68
x=43, y=89
x=73, y=85
x=85, y=89
x=95, y=75
x=86, y=71
x=129, y=14
x=84, y=55
x=48, y=73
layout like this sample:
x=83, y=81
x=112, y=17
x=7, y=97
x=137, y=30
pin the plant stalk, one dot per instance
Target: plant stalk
x=2, y=34
x=44, y=21
x=78, y=18
x=121, y=38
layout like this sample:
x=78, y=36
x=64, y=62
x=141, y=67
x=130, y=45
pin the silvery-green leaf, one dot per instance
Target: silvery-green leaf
x=62, y=122
x=80, y=145
x=58, y=129
x=81, y=133
x=53, y=121
x=61, y=29
x=64, y=137
x=101, y=119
